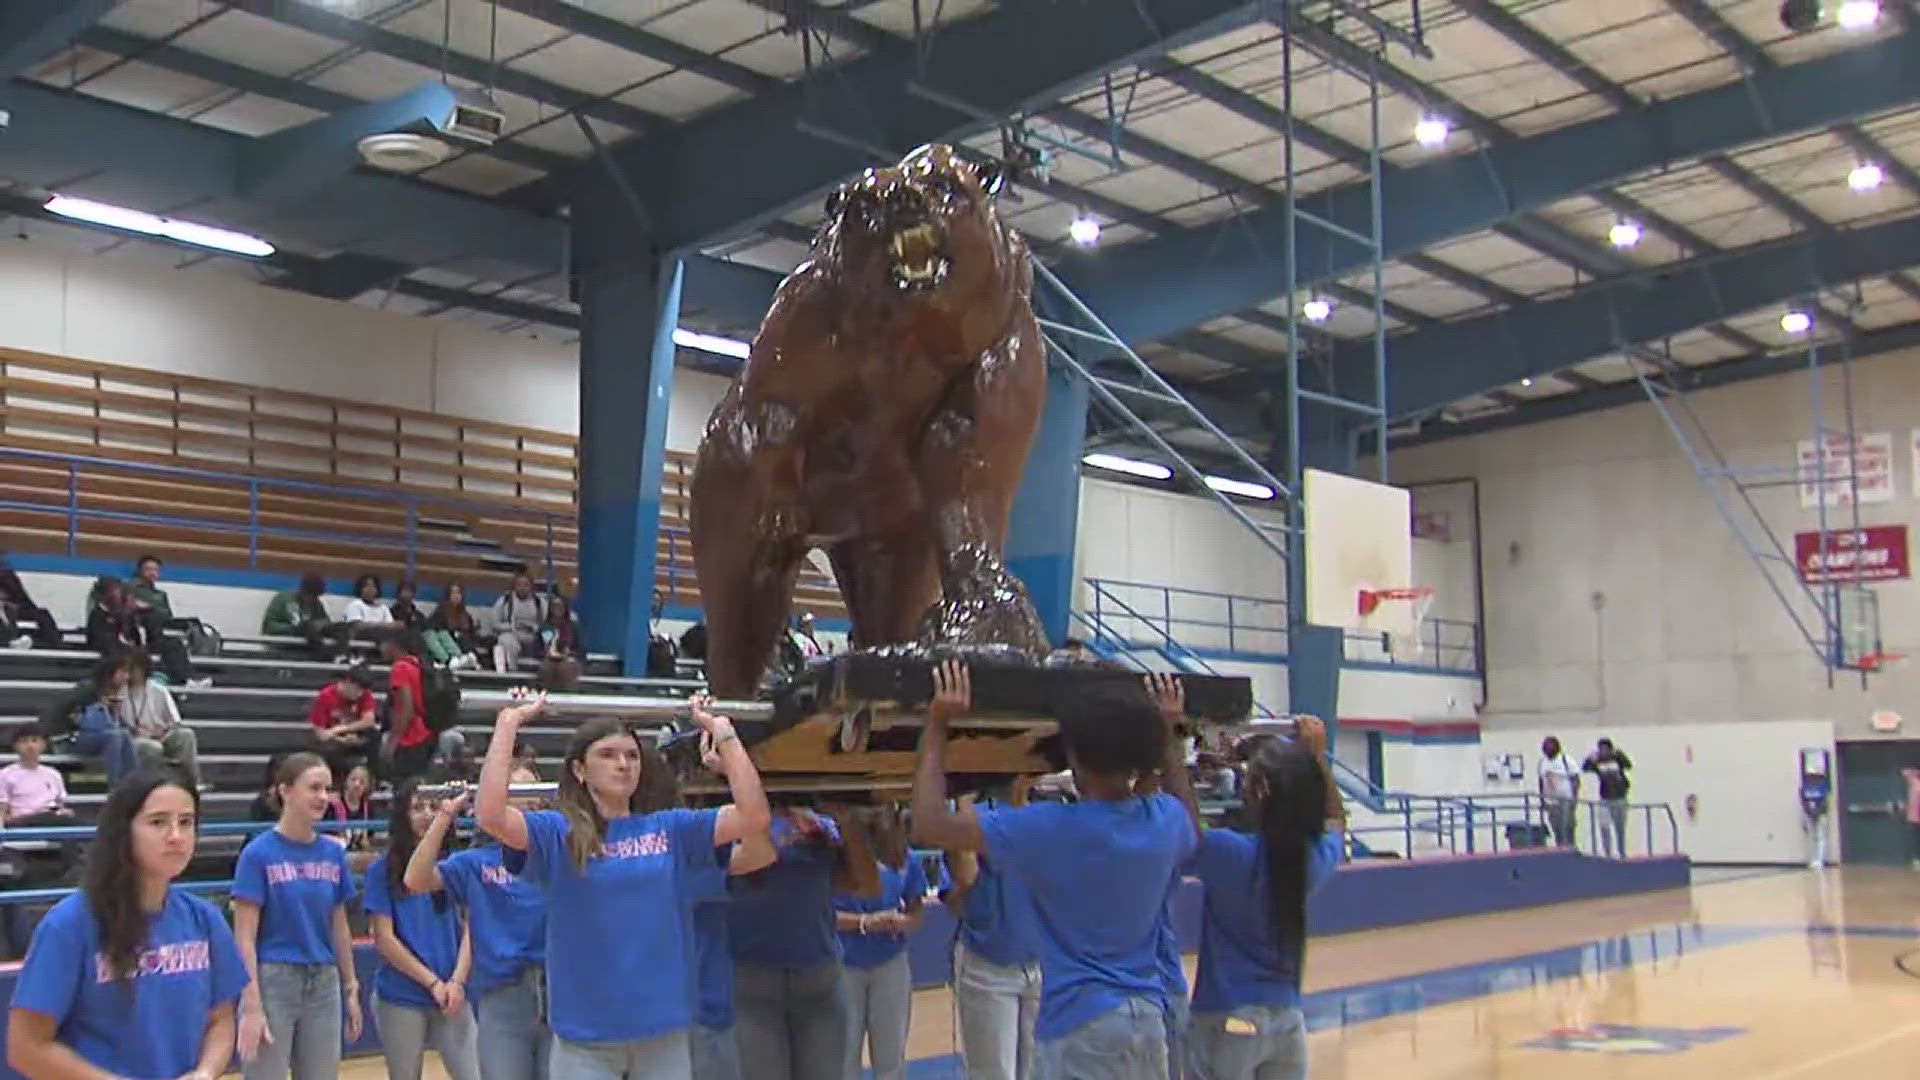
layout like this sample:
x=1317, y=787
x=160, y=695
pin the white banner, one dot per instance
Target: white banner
x=1841, y=468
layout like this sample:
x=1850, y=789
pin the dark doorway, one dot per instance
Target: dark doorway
x=1871, y=799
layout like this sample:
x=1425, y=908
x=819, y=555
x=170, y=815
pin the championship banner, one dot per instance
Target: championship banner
x=1872, y=553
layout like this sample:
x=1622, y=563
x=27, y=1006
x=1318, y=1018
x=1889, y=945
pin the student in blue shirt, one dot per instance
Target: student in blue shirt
x=1247, y=1023
x=789, y=989
x=290, y=892
x=621, y=882
x=507, y=928
x=873, y=949
x=426, y=956
x=996, y=958
x=130, y=976
x=1099, y=870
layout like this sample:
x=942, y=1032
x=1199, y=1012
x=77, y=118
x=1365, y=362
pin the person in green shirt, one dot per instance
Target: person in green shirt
x=301, y=613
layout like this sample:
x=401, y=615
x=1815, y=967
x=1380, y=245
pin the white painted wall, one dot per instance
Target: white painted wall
x=1616, y=595
x=100, y=309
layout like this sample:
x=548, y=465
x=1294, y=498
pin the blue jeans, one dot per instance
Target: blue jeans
x=101, y=736
x=791, y=1023
x=1125, y=1043
x=1258, y=1042
x=997, y=1007
x=880, y=1010
x=716, y=1055
x=407, y=1030
x=1176, y=1017
x=302, y=1003
x=664, y=1057
x=514, y=1041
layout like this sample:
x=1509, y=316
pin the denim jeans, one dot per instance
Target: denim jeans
x=1560, y=819
x=1613, y=827
x=406, y=1030
x=716, y=1054
x=664, y=1057
x=302, y=1003
x=1259, y=1042
x=879, y=1011
x=1177, y=1019
x=100, y=735
x=178, y=750
x=791, y=1023
x=514, y=1041
x=1128, y=1042
x=997, y=1007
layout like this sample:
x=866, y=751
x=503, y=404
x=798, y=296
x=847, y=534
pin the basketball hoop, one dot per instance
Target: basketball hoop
x=1371, y=599
x=1409, y=644
x=1874, y=661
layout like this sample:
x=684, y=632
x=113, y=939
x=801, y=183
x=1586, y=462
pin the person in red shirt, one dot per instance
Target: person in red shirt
x=345, y=728
x=411, y=744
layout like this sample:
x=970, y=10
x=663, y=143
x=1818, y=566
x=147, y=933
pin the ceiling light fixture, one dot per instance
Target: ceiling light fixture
x=1144, y=469
x=693, y=339
x=1431, y=131
x=1243, y=488
x=1317, y=309
x=184, y=232
x=1857, y=14
x=1526, y=382
x=1084, y=231
x=1796, y=322
x=1866, y=176
x=1625, y=234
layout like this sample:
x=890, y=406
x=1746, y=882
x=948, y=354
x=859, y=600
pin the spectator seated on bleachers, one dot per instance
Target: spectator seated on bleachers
x=452, y=636
x=346, y=727
x=146, y=708
x=355, y=803
x=560, y=635
x=97, y=731
x=115, y=625
x=411, y=743
x=518, y=617
x=21, y=620
x=405, y=612
x=32, y=792
x=154, y=611
x=369, y=615
x=302, y=613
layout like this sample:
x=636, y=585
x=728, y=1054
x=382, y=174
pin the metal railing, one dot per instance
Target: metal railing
x=1484, y=824
x=1166, y=618
x=420, y=510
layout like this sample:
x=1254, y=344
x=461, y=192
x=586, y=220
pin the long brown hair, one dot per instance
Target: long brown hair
x=112, y=882
x=586, y=829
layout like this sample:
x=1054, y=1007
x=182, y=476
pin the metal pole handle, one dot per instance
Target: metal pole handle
x=649, y=708
x=457, y=788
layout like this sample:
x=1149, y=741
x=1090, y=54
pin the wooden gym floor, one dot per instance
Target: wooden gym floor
x=1771, y=976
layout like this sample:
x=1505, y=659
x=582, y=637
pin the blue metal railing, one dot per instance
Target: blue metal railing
x=1183, y=618
x=67, y=504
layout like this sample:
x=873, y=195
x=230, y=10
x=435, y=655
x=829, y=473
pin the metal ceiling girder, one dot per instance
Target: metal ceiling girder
x=1009, y=60
x=1223, y=270
x=32, y=30
x=1445, y=363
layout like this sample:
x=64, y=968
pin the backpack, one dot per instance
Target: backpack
x=203, y=640
x=440, y=697
x=662, y=658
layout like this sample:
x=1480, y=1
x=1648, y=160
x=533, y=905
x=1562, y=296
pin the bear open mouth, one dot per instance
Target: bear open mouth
x=919, y=259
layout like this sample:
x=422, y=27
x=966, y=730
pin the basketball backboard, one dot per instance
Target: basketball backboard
x=1856, y=616
x=1358, y=538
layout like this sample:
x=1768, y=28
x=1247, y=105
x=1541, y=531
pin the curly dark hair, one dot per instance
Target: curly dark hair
x=112, y=883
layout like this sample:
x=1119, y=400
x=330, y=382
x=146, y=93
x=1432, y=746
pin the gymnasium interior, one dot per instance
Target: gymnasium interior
x=1463, y=373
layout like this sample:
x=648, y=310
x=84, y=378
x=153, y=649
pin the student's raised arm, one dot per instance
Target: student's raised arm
x=748, y=814
x=934, y=822
x=491, y=810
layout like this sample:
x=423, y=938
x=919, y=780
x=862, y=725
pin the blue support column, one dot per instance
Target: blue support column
x=629, y=297
x=1046, y=510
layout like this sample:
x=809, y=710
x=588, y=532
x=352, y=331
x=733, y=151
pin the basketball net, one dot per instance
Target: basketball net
x=1401, y=646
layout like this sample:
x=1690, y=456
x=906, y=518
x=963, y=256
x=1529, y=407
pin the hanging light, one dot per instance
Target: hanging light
x=1246, y=489
x=1526, y=382
x=185, y=232
x=1084, y=231
x=693, y=339
x=1866, y=176
x=1431, y=130
x=1796, y=322
x=1625, y=234
x=1857, y=14
x=1317, y=310
x=1112, y=463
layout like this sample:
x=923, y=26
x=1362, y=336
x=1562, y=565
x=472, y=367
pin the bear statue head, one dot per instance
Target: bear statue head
x=924, y=230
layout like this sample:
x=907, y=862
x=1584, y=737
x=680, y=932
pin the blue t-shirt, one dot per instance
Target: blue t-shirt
x=508, y=916
x=432, y=936
x=1240, y=964
x=712, y=958
x=189, y=967
x=859, y=950
x=1166, y=952
x=1099, y=872
x=296, y=887
x=782, y=916
x=996, y=918
x=619, y=966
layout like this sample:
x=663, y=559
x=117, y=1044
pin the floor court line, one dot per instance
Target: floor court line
x=1842, y=1054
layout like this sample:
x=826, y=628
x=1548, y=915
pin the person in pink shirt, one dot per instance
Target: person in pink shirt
x=31, y=791
x=1912, y=776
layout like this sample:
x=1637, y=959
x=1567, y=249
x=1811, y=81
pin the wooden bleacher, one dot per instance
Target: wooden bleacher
x=336, y=480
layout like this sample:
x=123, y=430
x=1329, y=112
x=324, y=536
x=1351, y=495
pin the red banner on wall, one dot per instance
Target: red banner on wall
x=1873, y=553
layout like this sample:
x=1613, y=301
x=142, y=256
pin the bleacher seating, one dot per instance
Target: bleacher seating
x=104, y=461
